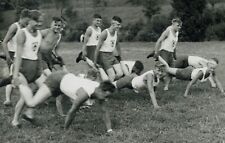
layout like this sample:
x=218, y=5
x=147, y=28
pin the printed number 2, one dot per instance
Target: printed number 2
x=34, y=46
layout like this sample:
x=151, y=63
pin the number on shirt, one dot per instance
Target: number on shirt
x=35, y=46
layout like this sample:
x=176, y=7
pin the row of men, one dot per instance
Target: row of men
x=67, y=83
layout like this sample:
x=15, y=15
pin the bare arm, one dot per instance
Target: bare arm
x=102, y=38
x=106, y=116
x=151, y=91
x=82, y=96
x=193, y=81
x=9, y=35
x=86, y=38
x=20, y=44
x=218, y=84
x=163, y=36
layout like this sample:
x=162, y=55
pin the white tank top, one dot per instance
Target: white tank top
x=110, y=43
x=31, y=45
x=12, y=43
x=195, y=72
x=139, y=83
x=195, y=61
x=128, y=64
x=94, y=38
x=71, y=83
x=169, y=44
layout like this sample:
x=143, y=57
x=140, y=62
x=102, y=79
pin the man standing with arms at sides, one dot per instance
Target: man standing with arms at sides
x=91, y=37
x=9, y=46
x=166, y=45
x=27, y=65
x=108, y=42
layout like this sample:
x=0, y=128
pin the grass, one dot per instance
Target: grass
x=200, y=118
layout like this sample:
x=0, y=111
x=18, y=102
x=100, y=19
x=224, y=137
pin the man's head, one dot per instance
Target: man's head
x=36, y=19
x=212, y=63
x=24, y=17
x=97, y=20
x=159, y=69
x=138, y=67
x=92, y=74
x=56, y=24
x=177, y=24
x=116, y=23
x=105, y=89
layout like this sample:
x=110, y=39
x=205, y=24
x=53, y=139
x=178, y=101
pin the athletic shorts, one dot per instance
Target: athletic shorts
x=91, y=52
x=107, y=60
x=168, y=57
x=11, y=54
x=181, y=62
x=184, y=74
x=31, y=69
x=124, y=82
x=53, y=82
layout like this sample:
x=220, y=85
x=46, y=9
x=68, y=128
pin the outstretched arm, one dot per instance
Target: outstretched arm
x=218, y=83
x=151, y=91
x=82, y=96
x=193, y=81
x=106, y=116
x=163, y=36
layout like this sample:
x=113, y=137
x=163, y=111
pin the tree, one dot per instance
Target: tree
x=151, y=7
x=192, y=14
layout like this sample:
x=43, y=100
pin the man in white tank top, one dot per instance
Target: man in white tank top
x=166, y=45
x=148, y=80
x=76, y=88
x=108, y=42
x=27, y=65
x=195, y=74
x=91, y=37
x=9, y=42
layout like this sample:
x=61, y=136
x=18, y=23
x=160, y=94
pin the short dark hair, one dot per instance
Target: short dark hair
x=177, y=19
x=139, y=65
x=24, y=13
x=97, y=16
x=34, y=15
x=107, y=86
x=215, y=59
x=57, y=19
x=117, y=18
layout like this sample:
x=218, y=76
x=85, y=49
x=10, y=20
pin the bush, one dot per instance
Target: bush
x=216, y=32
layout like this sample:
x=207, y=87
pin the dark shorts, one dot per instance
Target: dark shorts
x=125, y=82
x=91, y=52
x=49, y=60
x=184, y=74
x=53, y=82
x=31, y=69
x=11, y=54
x=181, y=62
x=168, y=57
x=107, y=60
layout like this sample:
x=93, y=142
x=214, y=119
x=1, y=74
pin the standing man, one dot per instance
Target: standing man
x=166, y=45
x=9, y=46
x=91, y=37
x=27, y=65
x=108, y=42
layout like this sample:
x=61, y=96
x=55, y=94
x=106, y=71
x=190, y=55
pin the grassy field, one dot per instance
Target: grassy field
x=200, y=118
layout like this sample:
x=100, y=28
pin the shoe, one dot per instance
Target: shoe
x=7, y=103
x=25, y=117
x=79, y=57
x=151, y=55
x=165, y=88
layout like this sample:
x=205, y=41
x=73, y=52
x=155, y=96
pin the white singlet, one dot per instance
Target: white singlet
x=94, y=38
x=31, y=45
x=110, y=43
x=197, y=62
x=195, y=72
x=169, y=44
x=71, y=83
x=128, y=65
x=139, y=83
x=12, y=43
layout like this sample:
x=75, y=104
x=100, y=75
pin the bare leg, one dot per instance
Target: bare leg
x=118, y=69
x=18, y=109
x=111, y=74
x=8, y=92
